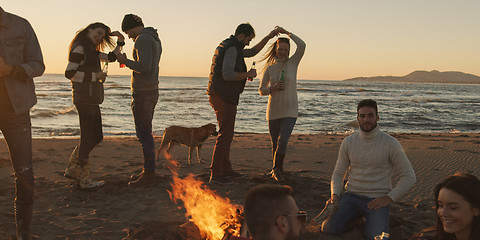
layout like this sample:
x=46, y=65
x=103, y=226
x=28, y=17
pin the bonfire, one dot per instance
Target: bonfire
x=217, y=218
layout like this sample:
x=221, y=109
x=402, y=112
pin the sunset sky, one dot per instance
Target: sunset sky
x=345, y=39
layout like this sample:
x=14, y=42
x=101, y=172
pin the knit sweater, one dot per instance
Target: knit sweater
x=371, y=158
x=284, y=103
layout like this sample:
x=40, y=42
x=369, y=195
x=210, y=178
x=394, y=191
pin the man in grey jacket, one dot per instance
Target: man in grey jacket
x=20, y=61
x=146, y=57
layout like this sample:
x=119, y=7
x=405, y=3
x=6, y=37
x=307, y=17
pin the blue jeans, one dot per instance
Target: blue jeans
x=17, y=130
x=352, y=206
x=280, y=131
x=143, y=106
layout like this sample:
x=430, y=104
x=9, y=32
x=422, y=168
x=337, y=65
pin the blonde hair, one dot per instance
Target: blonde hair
x=271, y=53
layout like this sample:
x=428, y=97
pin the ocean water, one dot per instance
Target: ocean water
x=324, y=106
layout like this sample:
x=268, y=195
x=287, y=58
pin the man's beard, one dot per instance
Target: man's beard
x=374, y=125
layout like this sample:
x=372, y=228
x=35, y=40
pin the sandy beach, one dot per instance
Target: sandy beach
x=116, y=211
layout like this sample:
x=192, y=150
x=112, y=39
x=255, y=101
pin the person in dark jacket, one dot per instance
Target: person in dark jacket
x=21, y=60
x=145, y=69
x=228, y=75
x=87, y=78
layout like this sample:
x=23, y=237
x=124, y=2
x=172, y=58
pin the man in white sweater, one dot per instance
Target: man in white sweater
x=370, y=156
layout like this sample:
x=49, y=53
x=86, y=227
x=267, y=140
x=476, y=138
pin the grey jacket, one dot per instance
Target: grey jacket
x=146, y=55
x=19, y=47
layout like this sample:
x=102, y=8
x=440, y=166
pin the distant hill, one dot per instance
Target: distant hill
x=425, y=76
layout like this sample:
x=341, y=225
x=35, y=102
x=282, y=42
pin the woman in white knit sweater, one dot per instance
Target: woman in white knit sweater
x=282, y=109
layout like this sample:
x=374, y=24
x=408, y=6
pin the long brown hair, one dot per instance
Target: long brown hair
x=81, y=37
x=271, y=53
x=468, y=186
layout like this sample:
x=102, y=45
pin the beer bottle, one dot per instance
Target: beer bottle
x=253, y=67
x=282, y=80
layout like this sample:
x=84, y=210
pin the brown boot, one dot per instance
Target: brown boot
x=144, y=178
x=23, y=218
x=278, y=167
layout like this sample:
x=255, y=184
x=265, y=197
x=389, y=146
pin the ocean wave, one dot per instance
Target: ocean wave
x=49, y=94
x=57, y=132
x=41, y=113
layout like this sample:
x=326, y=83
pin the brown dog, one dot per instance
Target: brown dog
x=191, y=137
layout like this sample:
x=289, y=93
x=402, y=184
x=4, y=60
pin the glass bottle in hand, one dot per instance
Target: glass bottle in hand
x=253, y=67
x=282, y=80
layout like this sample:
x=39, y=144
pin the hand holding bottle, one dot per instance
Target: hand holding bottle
x=252, y=68
x=120, y=43
x=281, y=82
x=251, y=74
x=100, y=76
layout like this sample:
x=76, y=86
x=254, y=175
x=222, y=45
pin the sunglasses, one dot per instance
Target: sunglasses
x=301, y=216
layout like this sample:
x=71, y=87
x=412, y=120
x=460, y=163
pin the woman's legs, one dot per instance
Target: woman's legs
x=91, y=132
x=280, y=131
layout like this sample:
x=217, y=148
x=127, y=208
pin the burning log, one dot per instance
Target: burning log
x=235, y=228
x=213, y=214
x=216, y=217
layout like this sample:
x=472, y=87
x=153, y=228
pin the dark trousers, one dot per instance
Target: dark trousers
x=17, y=130
x=143, y=107
x=280, y=131
x=91, y=132
x=225, y=113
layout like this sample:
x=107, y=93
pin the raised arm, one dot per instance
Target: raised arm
x=259, y=46
x=297, y=56
x=111, y=56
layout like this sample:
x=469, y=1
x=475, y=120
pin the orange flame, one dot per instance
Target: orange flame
x=212, y=214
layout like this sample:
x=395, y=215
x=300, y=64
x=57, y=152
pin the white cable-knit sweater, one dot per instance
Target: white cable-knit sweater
x=283, y=103
x=371, y=158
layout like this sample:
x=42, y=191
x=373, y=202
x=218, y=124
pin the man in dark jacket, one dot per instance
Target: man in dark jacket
x=145, y=66
x=228, y=75
x=20, y=61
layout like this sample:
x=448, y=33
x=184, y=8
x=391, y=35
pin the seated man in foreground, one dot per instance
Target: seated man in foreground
x=370, y=156
x=271, y=213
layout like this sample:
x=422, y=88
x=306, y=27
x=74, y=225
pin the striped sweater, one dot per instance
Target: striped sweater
x=83, y=63
x=75, y=60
